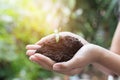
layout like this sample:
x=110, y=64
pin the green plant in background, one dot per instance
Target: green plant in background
x=95, y=19
x=26, y=21
x=18, y=27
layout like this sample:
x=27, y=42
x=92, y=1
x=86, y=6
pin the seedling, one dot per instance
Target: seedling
x=57, y=36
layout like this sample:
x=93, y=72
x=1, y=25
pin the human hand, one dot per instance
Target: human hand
x=40, y=59
x=49, y=64
x=86, y=55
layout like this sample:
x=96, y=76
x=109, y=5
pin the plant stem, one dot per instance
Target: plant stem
x=57, y=36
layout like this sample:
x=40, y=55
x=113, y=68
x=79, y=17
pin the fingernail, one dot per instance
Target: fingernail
x=31, y=57
x=32, y=60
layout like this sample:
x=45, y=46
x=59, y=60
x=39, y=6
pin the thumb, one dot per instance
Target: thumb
x=79, y=60
x=75, y=62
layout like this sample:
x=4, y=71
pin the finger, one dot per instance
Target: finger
x=32, y=47
x=44, y=39
x=45, y=60
x=71, y=64
x=30, y=52
x=36, y=60
x=75, y=71
x=71, y=72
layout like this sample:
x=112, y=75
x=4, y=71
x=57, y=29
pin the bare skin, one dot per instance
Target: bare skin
x=88, y=54
x=115, y=47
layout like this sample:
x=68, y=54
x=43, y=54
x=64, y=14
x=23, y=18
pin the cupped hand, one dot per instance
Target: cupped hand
x=71, y=67
x=85, y=56
x=40, y=59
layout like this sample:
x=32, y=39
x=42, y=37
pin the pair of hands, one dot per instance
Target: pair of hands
x=86, y=55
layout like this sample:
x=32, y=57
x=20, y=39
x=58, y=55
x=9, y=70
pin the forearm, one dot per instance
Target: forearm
x=109, y=60
x=103, y=69
x=115, y=46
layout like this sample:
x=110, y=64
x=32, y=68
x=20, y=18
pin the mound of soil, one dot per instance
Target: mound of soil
x=60, y=51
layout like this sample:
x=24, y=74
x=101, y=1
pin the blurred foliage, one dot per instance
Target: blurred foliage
x=26, y=21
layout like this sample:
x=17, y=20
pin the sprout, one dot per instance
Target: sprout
x=57, y=36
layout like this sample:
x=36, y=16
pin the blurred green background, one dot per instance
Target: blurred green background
x=25, y=22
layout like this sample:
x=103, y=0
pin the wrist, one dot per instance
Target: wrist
x=93, y=53
x=100, y=53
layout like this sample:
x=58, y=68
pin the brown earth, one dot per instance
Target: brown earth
x=60, y=51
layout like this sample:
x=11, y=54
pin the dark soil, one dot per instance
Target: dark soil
x=60, y=51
